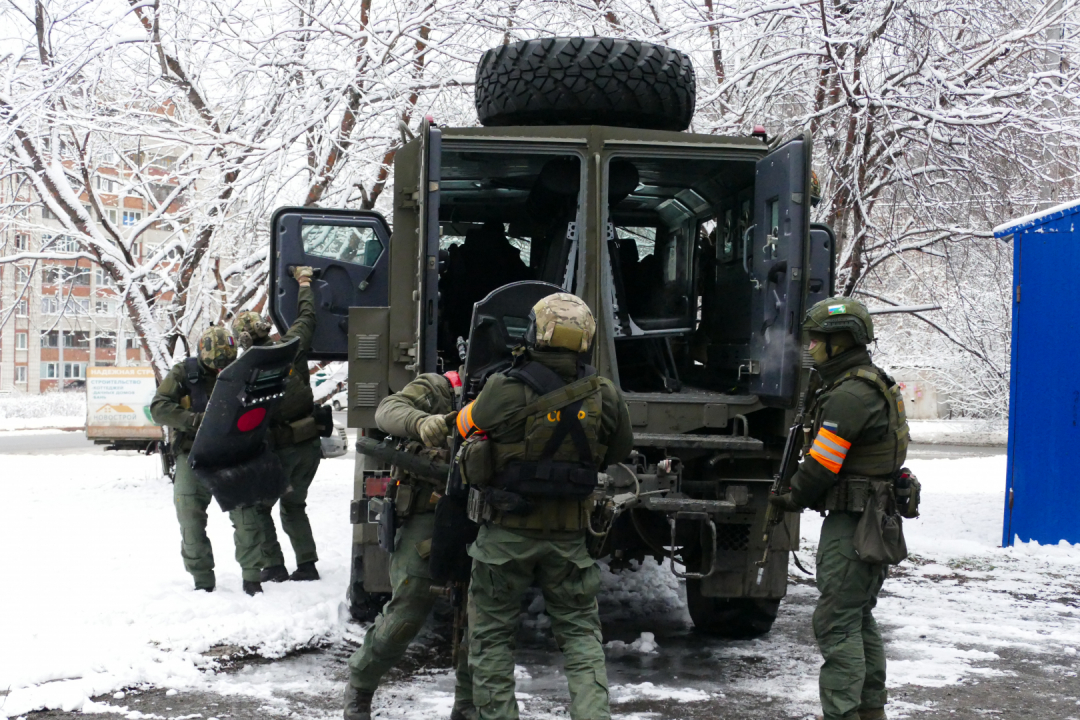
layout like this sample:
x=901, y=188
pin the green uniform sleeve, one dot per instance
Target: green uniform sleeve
x=165, y=408
x=304, y=326
x=499, y=401
x=616, y=424
x=841, y=420
x=398, y=414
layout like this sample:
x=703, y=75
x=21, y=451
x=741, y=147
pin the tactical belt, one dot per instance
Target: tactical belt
x=548, y=478
x=850, y=494
x=414, y=497
x=294, y=433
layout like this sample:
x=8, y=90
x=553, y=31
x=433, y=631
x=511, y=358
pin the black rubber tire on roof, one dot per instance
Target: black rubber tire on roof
x=736, y=618
x=585, y=81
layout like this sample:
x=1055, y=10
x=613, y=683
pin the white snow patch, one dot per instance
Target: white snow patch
x=644, y=645
x=647, y=690
x=22, y=411
x=644, y=589
x=110, y=606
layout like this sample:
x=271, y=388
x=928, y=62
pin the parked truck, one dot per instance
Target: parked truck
x=695, y=252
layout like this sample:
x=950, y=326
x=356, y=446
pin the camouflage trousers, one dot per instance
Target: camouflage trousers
x=301, y=462
x=853, y=674
x=505, y=565
x=402, y=617
x=191, y=499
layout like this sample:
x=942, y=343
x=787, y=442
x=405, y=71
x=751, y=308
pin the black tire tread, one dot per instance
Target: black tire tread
x=585, y=81
x=734, y=618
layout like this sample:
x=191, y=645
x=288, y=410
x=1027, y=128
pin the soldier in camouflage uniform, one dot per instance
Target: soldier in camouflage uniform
x=179, y=404
x=552, y=423
x=858, y=432
x=295, y=439
x=417, y=412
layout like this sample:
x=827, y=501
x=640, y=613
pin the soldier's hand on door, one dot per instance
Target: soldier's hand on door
x=303, y=274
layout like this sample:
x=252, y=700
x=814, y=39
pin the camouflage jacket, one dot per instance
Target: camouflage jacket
x=299, y=401
x=847, y=416
x=428, y=394
x=172, y=402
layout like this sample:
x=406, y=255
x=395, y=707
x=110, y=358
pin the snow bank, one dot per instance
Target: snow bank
x=960, y=432
x=21, y=411
x=106, y=603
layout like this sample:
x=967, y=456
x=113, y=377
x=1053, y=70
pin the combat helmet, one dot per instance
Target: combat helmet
x=249, y=328
x=217, y=348
x=837, y=314
x=561, y=321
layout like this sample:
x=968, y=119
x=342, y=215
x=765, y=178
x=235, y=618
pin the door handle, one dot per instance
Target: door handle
x=746, y=256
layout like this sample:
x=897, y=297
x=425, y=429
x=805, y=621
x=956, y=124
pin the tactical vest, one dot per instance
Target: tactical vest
x=878, y=459
x=561, y=451
x=193, y=385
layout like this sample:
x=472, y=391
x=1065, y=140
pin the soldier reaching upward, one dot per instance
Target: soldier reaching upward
x=295, y=438
x=551, y=422
x=859, y=434
x=179, y=404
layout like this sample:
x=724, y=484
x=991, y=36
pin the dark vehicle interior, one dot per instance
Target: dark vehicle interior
x=680, y=292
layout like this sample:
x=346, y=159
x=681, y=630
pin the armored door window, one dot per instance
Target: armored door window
x=355, y=245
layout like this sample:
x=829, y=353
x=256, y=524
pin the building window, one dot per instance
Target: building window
x=21, y=309
x=73, y=370
x=102, y=279
x=78, y=305
x=50, y=305
x=78, y=339
x=60, y=243
x=131, y=218
x=132, y=343
x=49, y=371
x=105, y=184
x=47, y=214
x=22, y=241
x=20, y=374
x=104, y=307
x=49, y=339
x=21, y=274
x=20, y=341
x=112, y=216
x=63, y=274
x=105, y=340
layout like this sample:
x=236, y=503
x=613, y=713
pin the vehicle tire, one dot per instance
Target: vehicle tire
x=736, y=618
x=585, y=81
x=363, y=606
x=336, y=405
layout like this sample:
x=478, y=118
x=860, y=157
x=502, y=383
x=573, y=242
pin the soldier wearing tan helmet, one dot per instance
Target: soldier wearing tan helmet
x=294, y=435
x=179, y=404
x=552, y=423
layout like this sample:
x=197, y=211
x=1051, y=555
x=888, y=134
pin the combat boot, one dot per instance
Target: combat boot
x=274, y=573
x=357, y=703
x=466, y=713
x=872, y=714
x=252, y=587
x=305, y=571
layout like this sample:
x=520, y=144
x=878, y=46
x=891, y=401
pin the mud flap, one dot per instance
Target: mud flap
x=230, y=454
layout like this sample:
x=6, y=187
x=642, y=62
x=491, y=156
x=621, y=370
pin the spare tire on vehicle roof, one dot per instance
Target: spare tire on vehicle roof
x=585, y=81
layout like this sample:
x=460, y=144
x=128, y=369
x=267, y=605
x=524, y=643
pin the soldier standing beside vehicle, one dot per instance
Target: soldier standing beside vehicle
x=551, y=423
x=419, y=413
x=295, y=437
x=859, y=435
x=179, y=404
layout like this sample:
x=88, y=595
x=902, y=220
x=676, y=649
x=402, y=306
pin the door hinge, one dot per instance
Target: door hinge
x=749, y=367
x=404, y=352
x=1017, y=293
x=1010, y=499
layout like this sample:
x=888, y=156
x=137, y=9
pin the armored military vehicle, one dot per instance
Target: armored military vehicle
x=695, y=252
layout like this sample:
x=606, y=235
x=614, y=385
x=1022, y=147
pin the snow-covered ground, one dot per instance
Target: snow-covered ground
x=96, y=601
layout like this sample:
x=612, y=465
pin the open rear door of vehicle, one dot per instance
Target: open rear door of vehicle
x=349, y=250
x=777, y=263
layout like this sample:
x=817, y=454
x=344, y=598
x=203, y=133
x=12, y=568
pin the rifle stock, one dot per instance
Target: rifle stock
x=781, y=483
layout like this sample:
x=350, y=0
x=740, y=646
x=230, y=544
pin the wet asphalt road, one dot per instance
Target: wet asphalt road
x=733, y=676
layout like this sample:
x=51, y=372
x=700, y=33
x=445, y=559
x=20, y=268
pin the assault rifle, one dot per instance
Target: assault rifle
x=781, y=484
x=386, y=451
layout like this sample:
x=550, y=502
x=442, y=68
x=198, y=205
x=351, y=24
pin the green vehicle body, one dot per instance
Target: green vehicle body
x=706, y=348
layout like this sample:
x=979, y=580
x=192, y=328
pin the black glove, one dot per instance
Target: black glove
x=785, y=502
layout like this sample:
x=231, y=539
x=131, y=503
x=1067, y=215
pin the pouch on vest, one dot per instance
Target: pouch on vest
x=879, y=535
x=908, y=492
x=476, y=460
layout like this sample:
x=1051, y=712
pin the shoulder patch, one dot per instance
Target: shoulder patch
x=837, y=309
x=829, y=424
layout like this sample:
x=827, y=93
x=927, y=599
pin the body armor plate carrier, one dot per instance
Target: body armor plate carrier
x=551, y=467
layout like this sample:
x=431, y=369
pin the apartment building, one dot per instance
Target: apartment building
x=61, y=316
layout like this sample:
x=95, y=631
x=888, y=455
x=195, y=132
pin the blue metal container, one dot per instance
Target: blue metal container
x=1042, y=498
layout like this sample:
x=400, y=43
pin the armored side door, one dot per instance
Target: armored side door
x=777, y=260
x=349, y=250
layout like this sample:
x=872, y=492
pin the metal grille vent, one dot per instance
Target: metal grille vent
x=367, y=394
x=732, y=537
x=367, y=347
